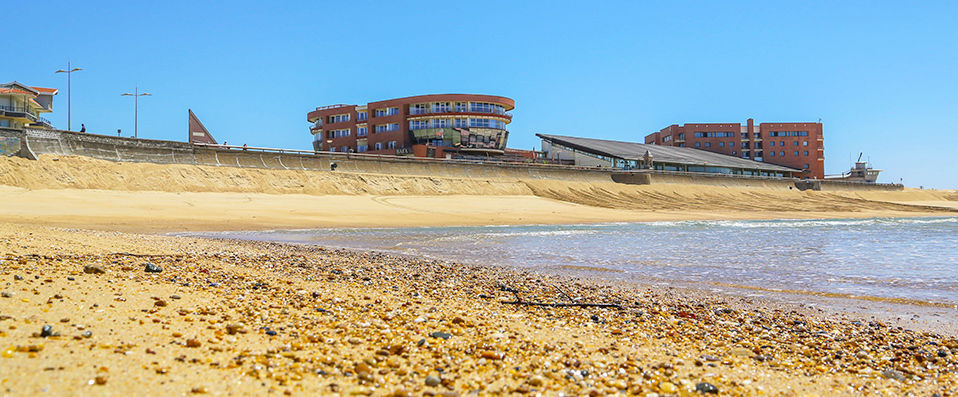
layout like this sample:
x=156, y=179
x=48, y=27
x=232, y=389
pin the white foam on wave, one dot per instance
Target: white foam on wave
x=751, y=224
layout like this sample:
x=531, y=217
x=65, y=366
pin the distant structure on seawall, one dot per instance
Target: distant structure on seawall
x=21, y=105
x=437, y=126
x=197, y=131
x=794, y=145
x=602, y=153
x=860, y=172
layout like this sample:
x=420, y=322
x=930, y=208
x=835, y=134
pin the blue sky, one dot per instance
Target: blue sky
x=882, y=76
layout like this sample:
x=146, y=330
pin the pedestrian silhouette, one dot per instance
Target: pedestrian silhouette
x=82, y=128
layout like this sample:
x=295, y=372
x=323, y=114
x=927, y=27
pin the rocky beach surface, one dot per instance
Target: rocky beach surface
x=108, y=313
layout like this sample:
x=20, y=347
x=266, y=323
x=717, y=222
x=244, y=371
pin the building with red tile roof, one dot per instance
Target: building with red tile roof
x=21, y=105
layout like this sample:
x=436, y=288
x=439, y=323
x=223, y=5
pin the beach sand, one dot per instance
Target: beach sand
x=230, y=317
x=74, y=191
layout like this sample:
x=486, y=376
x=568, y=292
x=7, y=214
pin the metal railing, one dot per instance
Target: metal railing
x=20, y=109
x=419, y=111
x=338, y=105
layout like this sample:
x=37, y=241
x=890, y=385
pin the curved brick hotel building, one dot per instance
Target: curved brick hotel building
x=794, y=145
x=425, y=126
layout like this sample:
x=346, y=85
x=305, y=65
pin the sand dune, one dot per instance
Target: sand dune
x=77, y=191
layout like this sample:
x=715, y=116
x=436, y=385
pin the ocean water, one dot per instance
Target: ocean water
x=914, y=259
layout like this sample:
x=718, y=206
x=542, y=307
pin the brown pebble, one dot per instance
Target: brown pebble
x=199, y=390
x=489, y=355
x=100, y=380
x=160, y=303
x=193, y=343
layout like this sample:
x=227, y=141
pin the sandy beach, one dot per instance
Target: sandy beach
x=82, y=192
x=227, y=317
x=130, y=311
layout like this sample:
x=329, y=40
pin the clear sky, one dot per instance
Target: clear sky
x=882, y=75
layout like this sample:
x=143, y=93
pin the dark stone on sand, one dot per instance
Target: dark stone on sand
x=152, y=268
x=93, y=269
x=174, y=297
x=17, y=277
x=271, y=333
x=432, y=381
x=6, y=294
x=47, y=331
x=71, y=278
x=439, y=334
x=705, y=387
x=87, y=334
x=942, y=353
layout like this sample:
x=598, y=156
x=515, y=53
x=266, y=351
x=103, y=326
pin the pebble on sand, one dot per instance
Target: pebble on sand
x=93, y=269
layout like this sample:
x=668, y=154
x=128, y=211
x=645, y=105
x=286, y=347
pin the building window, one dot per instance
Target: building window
x=734, y=152
x=362, y=148
x=796, y=143
x=698, y=144
x=392, y=144
x=804, y=143
x=332, y=149
x=362, y=131
x=419, y=108
x=744, y=135
x=387, y=112
x=338, y=118
x=387, y=127
x=788, y=133
x=379, y=146
x=682, y=135
x=482, y=107
x=719, y=134
x=418, y=125
x=362, y=116
x=667, y=138
x=744, y=145
x=441, y=107
x=781, y=154
x=805, y=153
x=461, y=107
x=806, y=166
x=708, y=144
x=345, y=149
x=721, y=144
x=771, y=154
x=461, y=123
x=795, y=153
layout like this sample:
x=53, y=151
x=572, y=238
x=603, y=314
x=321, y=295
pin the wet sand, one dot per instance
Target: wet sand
x=232, y=317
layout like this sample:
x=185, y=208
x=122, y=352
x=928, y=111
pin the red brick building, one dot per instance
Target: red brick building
x=443, y=125
x=793, y=145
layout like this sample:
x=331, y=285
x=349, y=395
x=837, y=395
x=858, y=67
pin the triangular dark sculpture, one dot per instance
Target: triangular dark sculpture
x=199, y=133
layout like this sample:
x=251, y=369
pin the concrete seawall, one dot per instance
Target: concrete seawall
x=30, y=143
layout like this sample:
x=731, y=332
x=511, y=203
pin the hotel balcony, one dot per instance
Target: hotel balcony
x=417, y=111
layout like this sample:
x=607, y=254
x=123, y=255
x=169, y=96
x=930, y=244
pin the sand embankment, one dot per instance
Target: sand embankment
x=78, y=191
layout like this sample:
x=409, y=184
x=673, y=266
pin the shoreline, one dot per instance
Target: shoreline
x=245, y=319
x=916, y=315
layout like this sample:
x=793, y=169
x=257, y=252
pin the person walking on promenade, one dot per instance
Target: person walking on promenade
x=82, y=127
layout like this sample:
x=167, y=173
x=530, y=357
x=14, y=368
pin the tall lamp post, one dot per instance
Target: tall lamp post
x=69, y=73
x=136, y=107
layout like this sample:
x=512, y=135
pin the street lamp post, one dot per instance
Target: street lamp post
x=69, y=73
x=136, y=107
